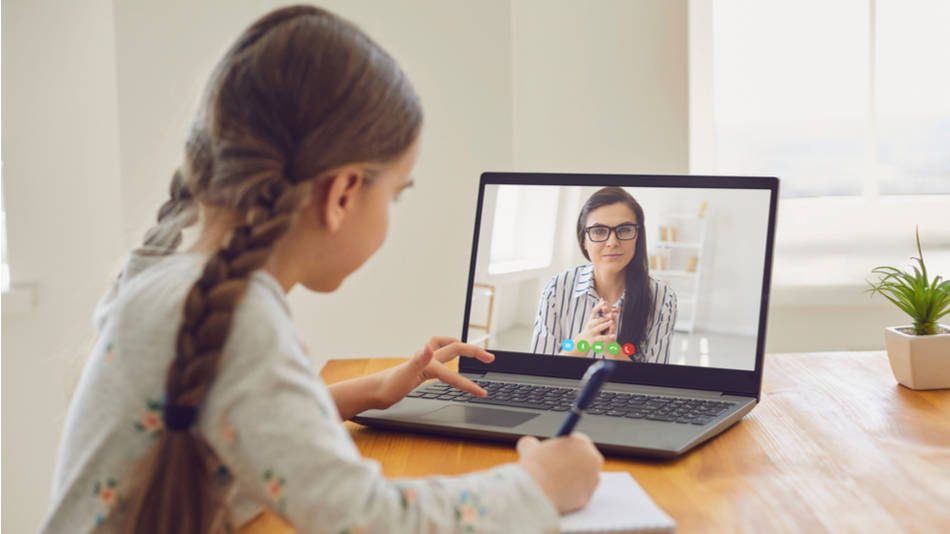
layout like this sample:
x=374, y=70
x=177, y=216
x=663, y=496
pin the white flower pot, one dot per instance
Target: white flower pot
x=919, y=362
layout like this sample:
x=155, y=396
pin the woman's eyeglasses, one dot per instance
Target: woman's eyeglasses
x=624, y=232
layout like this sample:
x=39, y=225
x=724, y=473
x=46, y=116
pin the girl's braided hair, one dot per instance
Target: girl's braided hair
x=300, y=92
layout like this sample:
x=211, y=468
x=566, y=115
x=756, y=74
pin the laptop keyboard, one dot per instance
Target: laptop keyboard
x=559, y=399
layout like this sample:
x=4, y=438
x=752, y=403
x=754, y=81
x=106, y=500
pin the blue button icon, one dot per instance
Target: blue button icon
x=567, y=344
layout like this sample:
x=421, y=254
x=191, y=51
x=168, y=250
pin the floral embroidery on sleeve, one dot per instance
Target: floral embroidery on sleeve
x=150, y=421
x=229, y=434
x=107, y=493
x=275, y=489
x=110, y=352
x=468, y=510
x=407, y=497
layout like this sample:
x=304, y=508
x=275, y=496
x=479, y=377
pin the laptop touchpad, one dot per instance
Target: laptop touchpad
x=477, y=415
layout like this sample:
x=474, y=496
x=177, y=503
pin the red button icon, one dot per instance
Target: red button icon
x=629, y=349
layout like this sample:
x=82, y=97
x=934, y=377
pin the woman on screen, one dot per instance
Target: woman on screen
x=612, y=299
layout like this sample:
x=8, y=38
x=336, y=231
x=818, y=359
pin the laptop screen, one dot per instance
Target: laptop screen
x=657, y=275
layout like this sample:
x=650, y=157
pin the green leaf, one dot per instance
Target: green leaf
x=920, y=253
x=913, y=292
x=906, y=308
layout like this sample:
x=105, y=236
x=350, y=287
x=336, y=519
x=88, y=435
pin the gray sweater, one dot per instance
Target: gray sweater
x=269, y=418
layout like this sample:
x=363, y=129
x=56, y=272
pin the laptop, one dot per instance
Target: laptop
x=667, y=275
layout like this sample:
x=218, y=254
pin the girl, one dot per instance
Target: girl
x=612, y=298
x=198, y=408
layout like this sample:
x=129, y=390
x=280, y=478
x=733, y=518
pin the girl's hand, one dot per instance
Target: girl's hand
x=567, y=468
x=429, y=363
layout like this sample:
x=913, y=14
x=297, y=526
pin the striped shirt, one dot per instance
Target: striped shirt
x=568, y=300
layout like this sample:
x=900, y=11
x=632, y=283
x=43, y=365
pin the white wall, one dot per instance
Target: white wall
x=600, y=87
x=61, y=185
x=594, y=90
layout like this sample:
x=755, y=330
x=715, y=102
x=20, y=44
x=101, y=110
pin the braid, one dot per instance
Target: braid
x=211, y=301
x=177, y=213
x=181, y=210
x=208, y=311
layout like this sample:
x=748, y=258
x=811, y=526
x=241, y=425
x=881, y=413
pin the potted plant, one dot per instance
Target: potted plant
x=919, y=354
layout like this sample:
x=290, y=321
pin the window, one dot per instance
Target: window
x=523, y=229
x=847, y=103
x=912, y=89
x=836, y=98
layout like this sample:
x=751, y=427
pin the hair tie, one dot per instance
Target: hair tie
x=179, y=418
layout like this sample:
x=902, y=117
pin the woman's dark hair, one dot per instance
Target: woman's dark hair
x=301, y=92
x=636, y=301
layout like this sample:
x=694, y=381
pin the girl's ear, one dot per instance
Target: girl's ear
x=338, y=196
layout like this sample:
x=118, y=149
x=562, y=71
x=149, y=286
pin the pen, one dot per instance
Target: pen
x=595, y=377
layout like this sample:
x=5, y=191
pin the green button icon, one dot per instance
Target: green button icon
x=613, y=348
x=598, y=346
x=583, y=346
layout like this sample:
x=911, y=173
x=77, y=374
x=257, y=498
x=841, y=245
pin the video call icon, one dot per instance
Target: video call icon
x=613, y=348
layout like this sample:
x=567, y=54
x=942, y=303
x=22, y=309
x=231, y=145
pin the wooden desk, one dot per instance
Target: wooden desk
x=836, y=445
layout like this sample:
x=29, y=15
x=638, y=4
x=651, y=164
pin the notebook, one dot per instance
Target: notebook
x=619, y=505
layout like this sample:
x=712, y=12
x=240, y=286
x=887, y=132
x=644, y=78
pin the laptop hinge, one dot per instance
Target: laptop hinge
x=738, y=394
